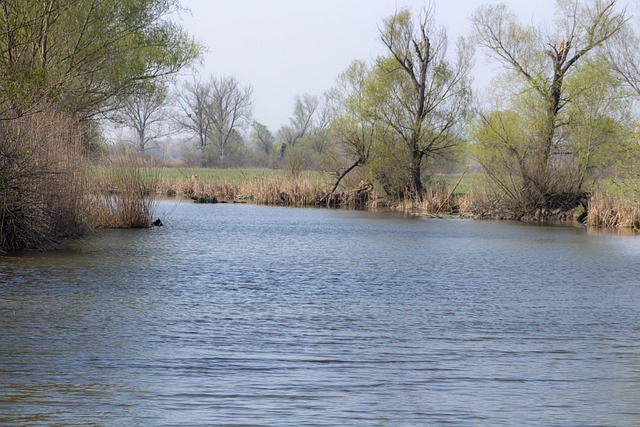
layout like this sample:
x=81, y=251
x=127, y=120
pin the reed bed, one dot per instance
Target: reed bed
x=288, y=191
x=439, y=203
x=268, y=190
x=613, y=212
x=48, y=194
x=439, y=200
x=204, y=190
x=123, y=196
x=305, y=191
x=41, y=180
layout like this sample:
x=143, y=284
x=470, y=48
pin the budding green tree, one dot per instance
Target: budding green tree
x=354, y=126
x=83, y=54
x=548, y=123
x=427, y=96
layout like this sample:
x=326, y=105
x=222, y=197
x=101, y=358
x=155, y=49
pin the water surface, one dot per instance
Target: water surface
x=246, y=315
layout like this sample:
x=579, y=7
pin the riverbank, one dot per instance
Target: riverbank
x=124, y=192
x=449, y=195
x=309, y=190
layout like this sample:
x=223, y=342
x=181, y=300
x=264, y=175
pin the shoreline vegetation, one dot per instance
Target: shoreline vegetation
x=85, y=110
x=446, y=195
x=61, y=199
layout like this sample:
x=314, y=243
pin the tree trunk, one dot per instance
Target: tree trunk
x=335, y=186
x=416, y=175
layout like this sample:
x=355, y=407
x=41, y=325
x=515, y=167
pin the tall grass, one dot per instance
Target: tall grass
x=311, y=189
x=46, y=192
x=613, y=212
x=123, y=194
x=290, y=191
x=272, y=189
x=41, y=180
x=438, y=203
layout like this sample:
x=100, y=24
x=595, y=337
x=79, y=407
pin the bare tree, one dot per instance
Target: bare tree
x=144, y=112
x=194, y=99
x=230, y=111
x=623, y=56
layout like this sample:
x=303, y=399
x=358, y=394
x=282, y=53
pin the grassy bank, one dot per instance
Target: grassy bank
x=452, y=194
x=445, y=195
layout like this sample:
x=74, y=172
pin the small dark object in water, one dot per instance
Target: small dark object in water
x=284, y=199
x=205, y=198
x=157, y=223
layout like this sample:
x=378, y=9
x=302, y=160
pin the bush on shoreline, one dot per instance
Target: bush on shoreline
x=47, y=193
x=42, y=181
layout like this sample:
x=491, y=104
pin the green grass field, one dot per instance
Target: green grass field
x=461, y=184
x=451, y=182
x=227, y=175
x=232, y=176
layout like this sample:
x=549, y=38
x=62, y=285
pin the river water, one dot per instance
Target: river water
x=241, y=315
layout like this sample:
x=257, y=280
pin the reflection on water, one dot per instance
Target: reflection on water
x=601, y=231
x=247, y=315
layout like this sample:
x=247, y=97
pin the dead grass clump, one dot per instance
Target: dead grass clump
x=465, y=205
x=298, y=191
x=286, y=191
x=438, y=203
x=199, y=189
x=613, y=212
x=360, y=196
x=222, y=190
x=123, y=196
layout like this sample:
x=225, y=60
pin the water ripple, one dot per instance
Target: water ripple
x=246, y=315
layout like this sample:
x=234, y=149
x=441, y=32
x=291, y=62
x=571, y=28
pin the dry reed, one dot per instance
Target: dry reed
x=288, y=191
x=613, y=212
x=277, y=190
x=123, y=196
x=437, y=203
x=41, y=180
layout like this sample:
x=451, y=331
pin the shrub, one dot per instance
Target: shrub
x=41, y=180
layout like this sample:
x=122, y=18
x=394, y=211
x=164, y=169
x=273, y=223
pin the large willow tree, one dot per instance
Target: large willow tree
x=62, y=64
x=427, y=94
x=540, y=138
x=410, y=106
x=83, y=55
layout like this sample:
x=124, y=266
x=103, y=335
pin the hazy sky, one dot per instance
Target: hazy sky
x=285, y=48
